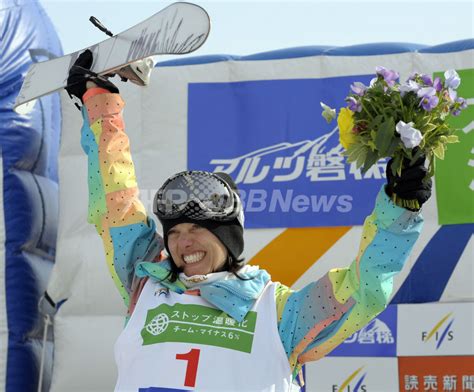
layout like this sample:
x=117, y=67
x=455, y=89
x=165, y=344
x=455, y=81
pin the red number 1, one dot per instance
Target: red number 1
x=191, y=370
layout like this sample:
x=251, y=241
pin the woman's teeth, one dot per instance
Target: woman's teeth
x=193, y=258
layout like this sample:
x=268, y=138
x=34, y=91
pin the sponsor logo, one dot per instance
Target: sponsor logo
x=353, y=383
x=452, y=373
x=376, y=332
x=440, y=332
x=376, y=339
x=314, y=159
x=282, y=163
x=198, y=324
x=288, y=164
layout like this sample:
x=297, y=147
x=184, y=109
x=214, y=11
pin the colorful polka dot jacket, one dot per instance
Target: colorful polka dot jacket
x=311, y=321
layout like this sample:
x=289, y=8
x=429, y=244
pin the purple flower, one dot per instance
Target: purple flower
x=427, y=80
x=410, y=86
x=359, y=88
x=426, y=92
x=429, y=99
x=459, y=104
x=379, y=70
x=429, y=102
x=452, y=79
x=452, y=94
x=462, y=103
x=353, y=104
x=388, y=75
x=412, y=76
x=437, y=84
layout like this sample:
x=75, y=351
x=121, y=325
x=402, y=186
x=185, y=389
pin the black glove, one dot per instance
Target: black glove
x=80, y=74
x=412, y=184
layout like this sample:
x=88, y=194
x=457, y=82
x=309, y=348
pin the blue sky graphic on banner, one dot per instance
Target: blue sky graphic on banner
x=271, y=138
x=376, y=339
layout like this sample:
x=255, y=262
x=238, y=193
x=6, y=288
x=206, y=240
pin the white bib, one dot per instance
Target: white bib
x=180, y=342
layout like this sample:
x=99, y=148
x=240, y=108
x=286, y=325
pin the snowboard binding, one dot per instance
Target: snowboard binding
x=138, y=72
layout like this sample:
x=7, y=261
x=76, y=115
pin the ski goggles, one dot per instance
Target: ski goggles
x=197, y=195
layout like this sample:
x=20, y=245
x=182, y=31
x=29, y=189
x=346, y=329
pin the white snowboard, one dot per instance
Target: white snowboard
x=178, y=29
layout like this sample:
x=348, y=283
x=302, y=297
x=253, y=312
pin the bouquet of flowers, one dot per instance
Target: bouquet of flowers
x=401, y=121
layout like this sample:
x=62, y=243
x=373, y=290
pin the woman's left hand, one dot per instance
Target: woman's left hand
x=412, y=184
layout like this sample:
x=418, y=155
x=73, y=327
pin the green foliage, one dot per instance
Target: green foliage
x=382, y=107
x=400, y=121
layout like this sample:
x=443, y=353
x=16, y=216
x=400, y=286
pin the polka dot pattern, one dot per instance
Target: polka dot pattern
x=312, y=321
x=322, y=315
x=114, y=205
x=130, y=244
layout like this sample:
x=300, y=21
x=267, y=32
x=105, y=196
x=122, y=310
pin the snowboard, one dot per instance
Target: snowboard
x=177, y=29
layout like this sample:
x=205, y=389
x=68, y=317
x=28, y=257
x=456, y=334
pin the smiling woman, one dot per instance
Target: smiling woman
x=195, y=250
x=202, y=218
x=199, y=317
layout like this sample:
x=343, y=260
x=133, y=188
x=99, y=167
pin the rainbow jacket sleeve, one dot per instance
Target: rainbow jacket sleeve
x=114, y=207
x=319, y=317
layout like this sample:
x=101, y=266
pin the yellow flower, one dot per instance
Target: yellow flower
x=345, y=121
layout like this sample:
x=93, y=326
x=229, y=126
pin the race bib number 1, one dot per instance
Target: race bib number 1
x=192, y=357
x=191, y=370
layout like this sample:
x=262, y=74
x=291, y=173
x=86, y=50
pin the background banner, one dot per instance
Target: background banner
x=377, y=339
x=436, y=373
x=435, y=329
x=287, y=161
x=259, y=119
x=352, y=374
x=455, y=174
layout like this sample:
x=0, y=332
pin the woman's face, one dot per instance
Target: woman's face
x=195, y=250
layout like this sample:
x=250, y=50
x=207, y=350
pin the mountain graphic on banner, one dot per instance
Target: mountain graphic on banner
x=248, y=168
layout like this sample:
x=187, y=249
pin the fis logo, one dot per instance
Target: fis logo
x=353, y=383
x=440, y=332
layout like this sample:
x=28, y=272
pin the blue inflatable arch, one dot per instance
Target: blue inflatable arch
x=29, y=149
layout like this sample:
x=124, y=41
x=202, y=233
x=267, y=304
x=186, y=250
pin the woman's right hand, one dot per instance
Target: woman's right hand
x=82, y=78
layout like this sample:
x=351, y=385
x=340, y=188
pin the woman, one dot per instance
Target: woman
x=201, y=319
